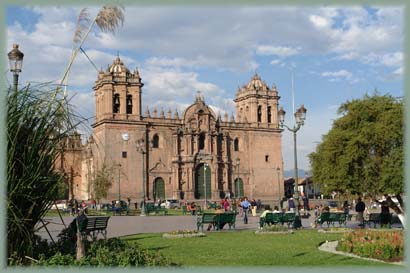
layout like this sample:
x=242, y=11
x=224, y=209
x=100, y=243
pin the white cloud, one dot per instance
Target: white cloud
x=282, y=51
x=275, y=62
x=319, y=21
x=338, y=74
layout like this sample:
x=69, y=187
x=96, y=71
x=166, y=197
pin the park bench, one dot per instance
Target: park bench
x=288, y=218
x=377, y=218
x=151, y=207
x=332, y=218
x=271, y=218
x=373, y=218
x=206, y=218
x=225, y=218
x=92, y=226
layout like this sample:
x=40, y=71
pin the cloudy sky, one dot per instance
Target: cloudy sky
x=336, y=54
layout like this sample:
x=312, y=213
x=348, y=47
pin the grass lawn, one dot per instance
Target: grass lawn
x=244, y=248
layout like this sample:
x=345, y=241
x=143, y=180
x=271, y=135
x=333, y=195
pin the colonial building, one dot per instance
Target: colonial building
x=193, y=155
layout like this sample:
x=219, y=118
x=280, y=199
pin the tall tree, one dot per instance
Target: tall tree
x=102, y=182
x=363, y=152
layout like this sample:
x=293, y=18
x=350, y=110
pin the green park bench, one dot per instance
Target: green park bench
x=271, y=218
x=225, y=218
x=288, y=218
x=92, y=226
x=330, y=218
x=374, y=218
x=153, y=208
x=206, y=218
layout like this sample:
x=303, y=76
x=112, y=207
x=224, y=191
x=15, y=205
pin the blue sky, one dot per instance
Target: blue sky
x=336, y=54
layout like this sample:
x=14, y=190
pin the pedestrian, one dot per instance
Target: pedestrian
x=291, y=204
x=258, y=205
x=360, y=208
x=245, y=206
x=129, y=201
x=346, y=207
x=385, y=215
x=285, y=205
x=240, y=207
x=305, y=204
x=253, y=207
x=225, y=204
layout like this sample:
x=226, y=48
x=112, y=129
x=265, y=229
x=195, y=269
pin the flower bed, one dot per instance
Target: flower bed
x=183, y=234
x=274, y=229
x=335, y=230
x=378, y=244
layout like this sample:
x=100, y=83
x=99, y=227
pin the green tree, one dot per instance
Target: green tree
x=363, y=152
x=102, y=182
x=36, y=123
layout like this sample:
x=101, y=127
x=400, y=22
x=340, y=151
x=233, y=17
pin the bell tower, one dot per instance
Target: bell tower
x=257, y=104
x=118, y=93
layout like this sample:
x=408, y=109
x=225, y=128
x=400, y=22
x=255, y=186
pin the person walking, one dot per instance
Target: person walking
x=225, y=204
x=245, y=206
x=291, y=204
x=305, y=204
x=360, y=208
x=253, y=207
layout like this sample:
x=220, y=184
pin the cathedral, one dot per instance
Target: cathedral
x=194, y=155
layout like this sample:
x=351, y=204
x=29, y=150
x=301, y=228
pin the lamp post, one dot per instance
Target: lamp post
x=236, y=186
x=278, y=173
x=141, y=148
x=119, y=182
x=206, y=197
x=300, y=117
x=16, y=63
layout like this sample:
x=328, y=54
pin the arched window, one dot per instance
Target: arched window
x=259, y=113
x=116, y=104
x=269, y=114
x=236, y=145
x=129, y=104
x=155, y=141
x=201, y=141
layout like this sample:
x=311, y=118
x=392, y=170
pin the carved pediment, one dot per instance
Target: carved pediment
x=159, y=167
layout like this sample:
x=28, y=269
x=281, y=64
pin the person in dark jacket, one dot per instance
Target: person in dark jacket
x=360, y=208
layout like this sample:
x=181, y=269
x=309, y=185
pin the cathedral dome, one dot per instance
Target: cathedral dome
x=257, y=83
x=118, y=67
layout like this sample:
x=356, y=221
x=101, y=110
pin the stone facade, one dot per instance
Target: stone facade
x=168, y=155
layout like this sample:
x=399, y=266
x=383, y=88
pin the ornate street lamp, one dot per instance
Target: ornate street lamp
x=16, y=63
x=300, y=117
x=278, y=173
x=141, y=148
x=236, y=186
x=206, y=197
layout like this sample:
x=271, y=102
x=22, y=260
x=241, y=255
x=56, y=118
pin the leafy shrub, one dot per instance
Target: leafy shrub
x=111, y=252
x=383, y=245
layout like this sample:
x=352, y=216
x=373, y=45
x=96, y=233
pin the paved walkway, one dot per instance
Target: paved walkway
x=129, y=225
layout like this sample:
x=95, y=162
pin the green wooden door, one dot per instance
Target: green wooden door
x=238, y=188
x=159, y=188
x=200, y=177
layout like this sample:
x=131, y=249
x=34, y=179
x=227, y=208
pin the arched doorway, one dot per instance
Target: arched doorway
x=201, y=175
x=238, y=188
x=159, y=189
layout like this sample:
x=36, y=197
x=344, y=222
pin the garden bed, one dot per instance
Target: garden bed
x=378, y=244
x=262, y=232
x=274, y=229
x=334, y=230
x=183, y=234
